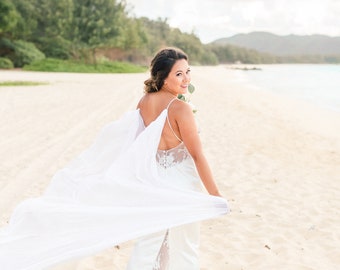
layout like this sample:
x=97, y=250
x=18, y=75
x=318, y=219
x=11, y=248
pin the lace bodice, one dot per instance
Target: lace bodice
x=173, y=156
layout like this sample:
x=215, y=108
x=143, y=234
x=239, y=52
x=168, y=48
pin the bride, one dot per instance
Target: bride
x=142, y=178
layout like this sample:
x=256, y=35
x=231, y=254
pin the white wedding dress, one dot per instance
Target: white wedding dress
x=119, y=189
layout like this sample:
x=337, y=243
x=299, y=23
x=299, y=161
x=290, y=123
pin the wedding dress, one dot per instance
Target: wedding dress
x=121, y=188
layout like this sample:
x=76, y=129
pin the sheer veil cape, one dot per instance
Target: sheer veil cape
x=109, y=194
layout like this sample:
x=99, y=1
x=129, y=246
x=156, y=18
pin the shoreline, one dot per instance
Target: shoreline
x=275, y=159
x=295, y=81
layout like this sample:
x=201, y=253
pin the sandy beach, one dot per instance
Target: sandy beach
x=276, y=160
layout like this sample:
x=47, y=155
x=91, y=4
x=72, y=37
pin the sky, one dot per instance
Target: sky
x=214, y=19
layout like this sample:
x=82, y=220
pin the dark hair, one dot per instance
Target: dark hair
x=161, y=66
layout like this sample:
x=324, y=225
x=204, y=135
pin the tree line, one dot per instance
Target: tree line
x=89, y=30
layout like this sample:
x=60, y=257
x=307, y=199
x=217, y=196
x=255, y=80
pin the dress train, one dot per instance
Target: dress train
x=113, y=192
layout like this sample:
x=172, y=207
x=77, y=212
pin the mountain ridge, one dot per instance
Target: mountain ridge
x=284, y=45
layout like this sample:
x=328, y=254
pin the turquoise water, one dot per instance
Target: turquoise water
x=319, y=84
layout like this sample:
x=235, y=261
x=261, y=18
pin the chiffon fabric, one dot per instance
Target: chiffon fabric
x=121, y=188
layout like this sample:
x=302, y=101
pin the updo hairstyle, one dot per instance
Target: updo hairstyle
x=161, y=66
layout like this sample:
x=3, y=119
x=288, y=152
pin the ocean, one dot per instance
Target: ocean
x=319, y=84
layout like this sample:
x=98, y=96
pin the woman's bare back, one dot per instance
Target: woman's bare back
x=151, y=106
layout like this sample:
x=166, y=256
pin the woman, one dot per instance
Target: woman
x=140, y=178
x=179, y=155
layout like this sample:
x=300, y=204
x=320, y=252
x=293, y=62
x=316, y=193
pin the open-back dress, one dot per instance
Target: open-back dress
x=121, y=188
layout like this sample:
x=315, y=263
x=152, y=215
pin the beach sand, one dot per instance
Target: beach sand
x=276, y=160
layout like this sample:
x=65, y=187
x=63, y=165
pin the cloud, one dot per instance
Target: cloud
x=221, y=18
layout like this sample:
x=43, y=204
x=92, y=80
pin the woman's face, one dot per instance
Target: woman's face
x=179, y=78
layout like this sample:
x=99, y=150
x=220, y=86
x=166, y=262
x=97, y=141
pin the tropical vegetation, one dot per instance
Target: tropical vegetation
x=42, y=33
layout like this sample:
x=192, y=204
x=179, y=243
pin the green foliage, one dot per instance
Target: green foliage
x=8, y=17
x=43, y=18
x=46, y=24
x=156, y=33
x=20, y=52
x=6, y=47
x=84, y=30
x=97, y=22
x=188, y=43
x=133, y=36
x=57, y=65
x=27, y=22
x=316, y=59
x=56, y=47
x=25, y=53
x=21, y=83
x=208, y=57
x=186, y=97
x=232, y=54
x=6, y=63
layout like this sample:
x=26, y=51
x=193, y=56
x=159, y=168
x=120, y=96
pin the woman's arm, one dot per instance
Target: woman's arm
x=189, y=133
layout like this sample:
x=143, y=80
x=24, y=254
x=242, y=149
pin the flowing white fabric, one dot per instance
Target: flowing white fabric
x=178, y=247
x=111, y=193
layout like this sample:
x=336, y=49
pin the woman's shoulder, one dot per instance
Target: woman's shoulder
x=144, y=99
x=181, y=110
x=181, y=106
x=176, y=107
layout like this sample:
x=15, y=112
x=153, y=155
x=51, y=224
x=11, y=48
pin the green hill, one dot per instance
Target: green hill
x=285, y=45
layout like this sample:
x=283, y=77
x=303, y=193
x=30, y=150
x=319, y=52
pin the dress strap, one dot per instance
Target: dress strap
x=167, y=118
x=167, y=107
